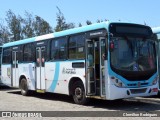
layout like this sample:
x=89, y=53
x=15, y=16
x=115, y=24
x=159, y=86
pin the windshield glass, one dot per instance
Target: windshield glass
x=133, y=54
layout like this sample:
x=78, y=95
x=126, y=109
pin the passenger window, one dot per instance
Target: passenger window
x=59, y=49
x=29, y=53
x=76, y=47
x=6, y=56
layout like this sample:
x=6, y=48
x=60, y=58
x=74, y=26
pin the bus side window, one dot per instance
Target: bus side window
x=6, y=56
x=76, y=47
x=29, y=53
x=59, y=49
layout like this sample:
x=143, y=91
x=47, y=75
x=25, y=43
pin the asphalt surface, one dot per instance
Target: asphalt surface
x=12, y=100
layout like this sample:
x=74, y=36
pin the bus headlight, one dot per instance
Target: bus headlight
x=117, y=82
x=155, y=80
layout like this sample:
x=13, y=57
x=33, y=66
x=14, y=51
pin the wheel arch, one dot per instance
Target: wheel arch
x=20, y=78
x=72, y=81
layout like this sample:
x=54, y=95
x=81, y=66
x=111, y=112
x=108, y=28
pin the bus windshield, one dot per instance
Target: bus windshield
x=133, y=54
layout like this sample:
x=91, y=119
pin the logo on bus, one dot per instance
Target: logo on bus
x=68, y=71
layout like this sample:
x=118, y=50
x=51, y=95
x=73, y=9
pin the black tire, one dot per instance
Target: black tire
x=79, y=96
x=24, y=87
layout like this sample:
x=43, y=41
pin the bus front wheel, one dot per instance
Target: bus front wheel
x=24, y=87
x=79, y=96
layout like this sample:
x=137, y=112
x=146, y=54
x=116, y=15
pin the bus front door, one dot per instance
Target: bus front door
x=14, y=79
x=40, y=69
x=95, y=56
x=103, y=55
x=90, y=68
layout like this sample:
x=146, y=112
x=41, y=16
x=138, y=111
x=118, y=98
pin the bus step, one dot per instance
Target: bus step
x=40, y=91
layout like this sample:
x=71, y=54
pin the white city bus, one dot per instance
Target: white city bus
x=109, y=60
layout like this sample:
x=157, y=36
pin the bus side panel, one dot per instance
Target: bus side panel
x=6, y=75
x=49, y=74
x=59, y=75
x=15, y=77
x=28, y=70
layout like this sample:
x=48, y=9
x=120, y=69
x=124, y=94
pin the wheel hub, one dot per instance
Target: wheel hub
x=78, y=93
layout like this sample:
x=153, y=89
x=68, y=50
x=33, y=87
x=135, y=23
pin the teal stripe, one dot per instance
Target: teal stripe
x=56, y=76
x=82, y=29
x=29, y=40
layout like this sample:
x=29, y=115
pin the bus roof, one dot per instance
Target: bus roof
x=156, y=30
x=95, y=26
x=60, y=34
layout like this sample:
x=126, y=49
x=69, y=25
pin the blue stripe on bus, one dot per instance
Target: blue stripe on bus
x=82, y=29
x=29, y=40
x=56, y=76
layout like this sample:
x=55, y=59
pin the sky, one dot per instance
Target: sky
x=78, y=11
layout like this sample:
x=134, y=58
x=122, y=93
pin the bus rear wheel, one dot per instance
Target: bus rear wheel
x=24, y=87
x=79, y=96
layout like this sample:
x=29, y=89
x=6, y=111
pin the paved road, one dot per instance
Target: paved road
x=12, y=100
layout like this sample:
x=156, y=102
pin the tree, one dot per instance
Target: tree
x=41, y=26
x=61, y=22
x=98, y=21
x=14, y=25
x=4, y=34
x=80, y=25
x=28, y=28
x=88, y=22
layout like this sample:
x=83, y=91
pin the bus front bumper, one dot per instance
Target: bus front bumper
x=114, y=92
